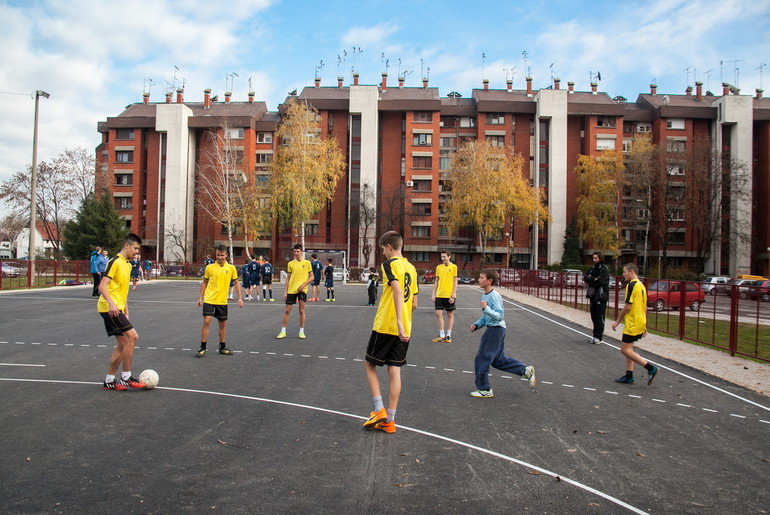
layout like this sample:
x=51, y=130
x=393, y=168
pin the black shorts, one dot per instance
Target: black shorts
x=218, y=311
x=116, y=325
x=246, y=282
x=443, y=304
x=386, y=349
x=629, y=338
x=292, y=298
x=267, y=279
x=329, y=283
x=316, y=280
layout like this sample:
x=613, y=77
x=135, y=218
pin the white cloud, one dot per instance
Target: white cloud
x=377, y=34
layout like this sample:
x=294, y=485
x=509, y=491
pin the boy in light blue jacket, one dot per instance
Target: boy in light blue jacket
x=492, y=347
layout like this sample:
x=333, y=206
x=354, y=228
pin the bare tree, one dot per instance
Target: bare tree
x=178, y=239
x=365, y=220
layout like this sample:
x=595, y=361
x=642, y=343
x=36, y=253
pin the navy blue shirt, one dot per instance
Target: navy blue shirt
x=317, y=267
x=253, y=269
x=267, y=269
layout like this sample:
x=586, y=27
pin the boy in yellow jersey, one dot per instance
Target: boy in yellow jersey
x=634, y=318
x=213, y=297
x=113, y=307
x=299, y=274
x=444, y=296
x=389, y=341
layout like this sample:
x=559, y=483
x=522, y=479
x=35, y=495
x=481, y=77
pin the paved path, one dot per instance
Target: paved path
x=276, y=427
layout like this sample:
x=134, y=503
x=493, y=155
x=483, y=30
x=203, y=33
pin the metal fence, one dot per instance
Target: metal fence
x=732, y=318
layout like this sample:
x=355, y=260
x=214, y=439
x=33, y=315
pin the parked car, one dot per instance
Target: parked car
x=760, y=291
x=569, y=277
x=8, y=270
x=741, y=287
x=714, y=285
x=465, y=277
x=613, y=283
x=340, y=273
x=509, y=276
x=178, y=271
x=663, y=294
x=429, y=276
x=538, y=278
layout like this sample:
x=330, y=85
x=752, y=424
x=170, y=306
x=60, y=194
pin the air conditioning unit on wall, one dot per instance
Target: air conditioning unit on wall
x=409, y=184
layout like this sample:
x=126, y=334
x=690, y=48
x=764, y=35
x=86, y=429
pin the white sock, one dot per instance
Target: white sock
x=109, y=378
x=391, y=415
x=125, y=375
x=449, y=334
x=441, y=334
x=378, y=405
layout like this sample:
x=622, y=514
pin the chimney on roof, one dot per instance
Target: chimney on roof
x=355, y=79
x=653, y=89
x=206, y=98
x=168, y=96
x=228, y=94
x=251, y=97
x=384, y=84
x=529, y=86
x=594, y=85
x=318, y=82
x=698, y=90
x=557, y=83
x=486, y=84
x=180, y=96
x=571, y=87
x=146, y=98
x=509, y=85
x=339, y=81
x=425, y=83
x=401, y=82
x=725, y=89
x=688, y=91
x=759, y=92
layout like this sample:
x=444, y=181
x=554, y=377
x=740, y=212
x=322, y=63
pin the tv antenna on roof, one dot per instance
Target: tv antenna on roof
x=708, y=78
x=229, y=87
x=525, y=55
x=250, y=88
x=318, y=69
x=148, y=84
x=688, y=73
x=483, y=60
x=551, y=67
x=760, y=74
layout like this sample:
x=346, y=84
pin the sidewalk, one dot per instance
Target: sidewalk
x=749, y=374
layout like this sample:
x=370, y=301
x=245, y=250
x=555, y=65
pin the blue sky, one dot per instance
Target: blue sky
x=96, y=57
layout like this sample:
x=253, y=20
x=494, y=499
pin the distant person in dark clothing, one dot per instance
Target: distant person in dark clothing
x=598, y=278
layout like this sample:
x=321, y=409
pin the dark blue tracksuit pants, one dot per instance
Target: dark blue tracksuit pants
x=492, y=352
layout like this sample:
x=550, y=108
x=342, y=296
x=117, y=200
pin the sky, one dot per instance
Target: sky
x=95, y=57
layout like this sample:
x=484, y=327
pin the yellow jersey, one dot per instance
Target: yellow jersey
x=445, y=280
x=119, y=271
x=401, y=270
x=299, y=271
x=219, y=278
x=635, y=322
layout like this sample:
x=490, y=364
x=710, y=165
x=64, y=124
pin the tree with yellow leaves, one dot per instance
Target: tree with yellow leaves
x=600, y=182
x=306, y=170
x=489, y=190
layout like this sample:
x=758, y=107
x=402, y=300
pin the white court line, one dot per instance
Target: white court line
x=403, y=428
x=721, y=390
x=20, y=365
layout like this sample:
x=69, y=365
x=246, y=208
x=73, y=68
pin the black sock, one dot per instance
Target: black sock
x=221, y=345
x=203, y=345
x=629, y=373
x=649, y=366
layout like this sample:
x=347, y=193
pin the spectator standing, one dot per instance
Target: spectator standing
x=96, y=256
x=597, y=281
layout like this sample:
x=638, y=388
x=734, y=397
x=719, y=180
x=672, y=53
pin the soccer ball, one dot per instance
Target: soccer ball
x=150, y=378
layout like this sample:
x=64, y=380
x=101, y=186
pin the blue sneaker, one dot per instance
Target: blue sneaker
x=625, y=380
x=652, y=375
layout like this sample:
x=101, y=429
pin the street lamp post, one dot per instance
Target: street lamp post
x=33, y=193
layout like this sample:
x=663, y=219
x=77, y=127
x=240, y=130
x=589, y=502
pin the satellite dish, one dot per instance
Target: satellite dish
x=666, y=100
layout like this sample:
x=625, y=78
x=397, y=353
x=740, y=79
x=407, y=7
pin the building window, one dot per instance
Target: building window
x=643, y=128
x=236, y=228
x=676, y=145
x=467, y=121
x=496, y=141
x=627, y=145
x=123, y=203
x=422, y=162
x=128, y=224
x=420, y=231
x=124, y=134
x=675, y=123
x=422, y=139
x=422, y=185
x=676, y=215
x=264, y=137
x=421, y=257
x=311, y=229
x=124, y=156
x=495, y=119
x=605, y=144
x=423, y=117
x=448, y=121
x=445, y=159
x=124, y=179
x=628, y=127
x=262, y=178
x=676, y=238
x=234, y=134
x=263, y=159
x=421, y=209
x=448, y=142
x=605, y=121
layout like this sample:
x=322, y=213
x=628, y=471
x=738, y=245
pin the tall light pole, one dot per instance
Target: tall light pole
x=33, y=194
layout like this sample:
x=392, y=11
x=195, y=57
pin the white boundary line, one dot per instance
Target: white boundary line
x=19, y=365
x=403, y=428
x=749, y=401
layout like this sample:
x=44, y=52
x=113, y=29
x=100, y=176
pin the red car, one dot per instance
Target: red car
x=663, y=294
x=760, y=291
x=429, y=276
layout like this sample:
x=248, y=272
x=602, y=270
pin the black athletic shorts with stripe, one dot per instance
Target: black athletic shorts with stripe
x=116, y=325
x=386, y=349
x=218, y=311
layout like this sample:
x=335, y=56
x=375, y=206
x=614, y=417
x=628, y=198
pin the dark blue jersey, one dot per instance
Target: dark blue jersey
x=267, y=269
x=253, y=269
x=329, y=272
x=317, y=268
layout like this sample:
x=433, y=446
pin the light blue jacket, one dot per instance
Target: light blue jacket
x=95, y=261
x=494, y=314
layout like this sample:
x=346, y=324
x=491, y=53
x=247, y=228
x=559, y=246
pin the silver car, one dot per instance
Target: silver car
x=714, y=285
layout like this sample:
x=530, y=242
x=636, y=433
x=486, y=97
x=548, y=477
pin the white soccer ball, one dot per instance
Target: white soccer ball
x=150, y=378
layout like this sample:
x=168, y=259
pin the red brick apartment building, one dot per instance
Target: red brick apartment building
x=399, y=141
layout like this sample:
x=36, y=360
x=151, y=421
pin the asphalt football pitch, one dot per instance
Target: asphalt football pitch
x=276, y=427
